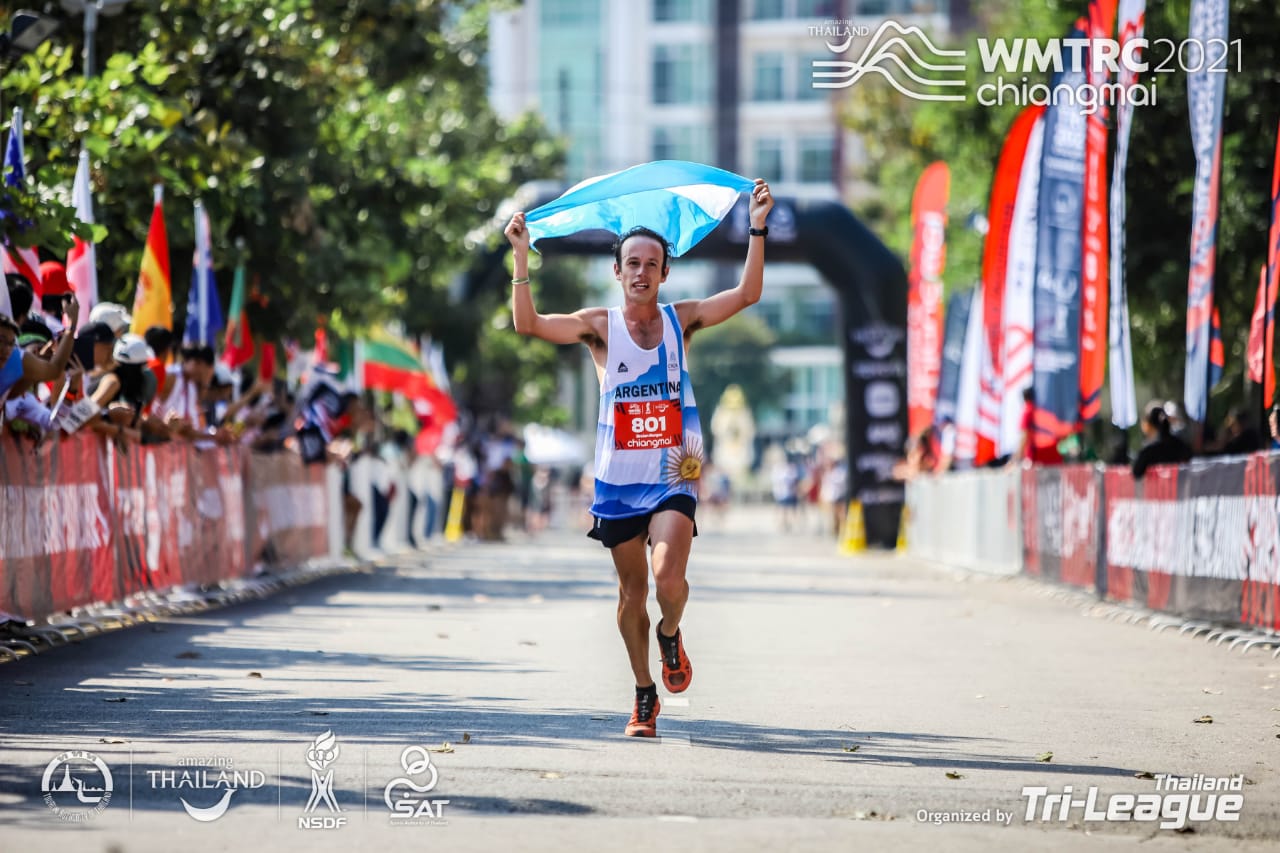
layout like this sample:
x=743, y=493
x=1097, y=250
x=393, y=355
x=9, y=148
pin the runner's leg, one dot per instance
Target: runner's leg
x=672, y=535
x=632, y=564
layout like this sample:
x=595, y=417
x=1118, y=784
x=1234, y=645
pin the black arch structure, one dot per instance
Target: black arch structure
x=871, y=284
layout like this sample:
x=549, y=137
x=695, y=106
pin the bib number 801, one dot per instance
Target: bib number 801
x=649, y=424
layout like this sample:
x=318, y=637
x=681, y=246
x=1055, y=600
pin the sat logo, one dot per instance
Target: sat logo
x=407, y=799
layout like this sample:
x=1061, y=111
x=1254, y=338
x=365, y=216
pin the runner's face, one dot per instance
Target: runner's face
x=641, y=271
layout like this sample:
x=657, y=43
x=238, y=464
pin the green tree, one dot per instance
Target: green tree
x=735, y=352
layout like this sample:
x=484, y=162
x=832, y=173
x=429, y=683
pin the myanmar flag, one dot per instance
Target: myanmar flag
x=152, y=305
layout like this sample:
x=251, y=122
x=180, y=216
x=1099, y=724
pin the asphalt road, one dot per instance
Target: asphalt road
x=836, y=702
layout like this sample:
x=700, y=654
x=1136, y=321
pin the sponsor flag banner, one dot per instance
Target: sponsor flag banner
x=924, y=294
x=967, y=398
x=1094, y=266
x=1206, y=92
x=1019, y=294
x=953, y=343
x=995, y=271
x=152, y=304
x=1124, y=403
x=1261, y=371
x=1058, y=262
x=1272, y=278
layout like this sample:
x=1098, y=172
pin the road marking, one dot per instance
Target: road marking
x=678, y=818
x=675, y=740
x=676, y=702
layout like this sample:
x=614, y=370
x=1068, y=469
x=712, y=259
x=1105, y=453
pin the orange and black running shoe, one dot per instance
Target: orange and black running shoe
x=644, y=719
x=677, y=672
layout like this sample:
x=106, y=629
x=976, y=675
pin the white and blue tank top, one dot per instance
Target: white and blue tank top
x=648, y=428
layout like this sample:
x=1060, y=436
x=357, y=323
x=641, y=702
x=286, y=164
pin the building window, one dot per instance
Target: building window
x=767, y=77
x=768, y=160
x=816, y=8
x=680, y=10
x=805, y=90
x=570, y=12
x=817, y=159
x=680, y=75
x=766, y=9
x=681, y=142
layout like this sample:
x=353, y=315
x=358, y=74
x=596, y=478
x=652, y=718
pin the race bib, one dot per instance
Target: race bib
x=647, y=425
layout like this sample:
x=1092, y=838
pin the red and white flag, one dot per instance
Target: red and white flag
x=82, y=260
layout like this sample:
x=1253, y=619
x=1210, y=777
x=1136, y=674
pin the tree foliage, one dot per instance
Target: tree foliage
x=735, y=352
x=349, y=143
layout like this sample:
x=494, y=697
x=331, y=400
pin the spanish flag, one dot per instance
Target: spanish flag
x=152, y=305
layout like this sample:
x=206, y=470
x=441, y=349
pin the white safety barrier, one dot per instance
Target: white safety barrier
x=967, y=519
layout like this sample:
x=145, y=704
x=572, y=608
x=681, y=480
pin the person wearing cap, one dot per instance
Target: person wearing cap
x=53, y=290
x=25, y=414
x=113, y=315
x=125, y=389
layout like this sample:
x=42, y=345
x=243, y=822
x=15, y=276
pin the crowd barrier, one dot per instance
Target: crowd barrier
x=969, y=519
x=1200, y=541
x=87, y=521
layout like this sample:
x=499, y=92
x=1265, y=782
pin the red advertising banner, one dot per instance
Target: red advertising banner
x=924, y=295
x=1095, y=267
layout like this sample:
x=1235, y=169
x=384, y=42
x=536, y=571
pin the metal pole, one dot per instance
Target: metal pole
x=91, y=8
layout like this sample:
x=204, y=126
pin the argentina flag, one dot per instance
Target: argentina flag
x=682, y=201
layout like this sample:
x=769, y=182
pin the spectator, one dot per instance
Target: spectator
x=180, y=409
x=20, y=296
x=125, y=389
x=1237, y=435
x=1162, y=447
x=1038, y=455
x=26, y=414
x=160, y=340
x=93, y=349
x=54, y=288
x=113, y=315
x=19, y=366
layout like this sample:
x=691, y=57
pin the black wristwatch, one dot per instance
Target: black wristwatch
x=759, y=232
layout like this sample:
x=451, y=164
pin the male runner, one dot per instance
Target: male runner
x=649, y=439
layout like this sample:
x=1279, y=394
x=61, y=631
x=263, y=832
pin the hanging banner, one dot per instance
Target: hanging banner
x=967, y=398
x=1019, y=294
x=1124, y=403
x=995, y=269
x=1094, y=266
x=1206, y=91
x=1058, y=260
x=1272, y=282
x=924, y=295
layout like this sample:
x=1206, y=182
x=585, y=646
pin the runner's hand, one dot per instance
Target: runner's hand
x=761, y=203
x=518, y=233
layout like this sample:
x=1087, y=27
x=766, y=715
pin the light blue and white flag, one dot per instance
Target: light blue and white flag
x=682, y=201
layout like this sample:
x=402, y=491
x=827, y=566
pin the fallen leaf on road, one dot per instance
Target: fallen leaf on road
x=444, y=747
x=466, y=737
x=528, y=643
x=319, y=713
x=605, y=718
x=111, y=740
x=187, y=655
x=433, y=606
x=1144, y=774
x=1045, y=756
x=116, y=699
x=550, y=774
x=1205, y=719
x=853, y=748
x=1211, y=691
x=443, y=636
x=951, y=774
x=167, y=678
x=255, y=675
x=1185, y=830
x=25, y=683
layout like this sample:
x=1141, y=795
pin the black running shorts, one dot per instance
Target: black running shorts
x=612, y=532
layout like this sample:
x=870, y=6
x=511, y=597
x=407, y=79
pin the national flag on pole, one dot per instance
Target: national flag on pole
x=82, y=260
x=239, y=344
x=204, y=311
x=385, y=365
x=24, y=261
x=152, y=303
